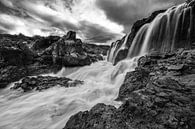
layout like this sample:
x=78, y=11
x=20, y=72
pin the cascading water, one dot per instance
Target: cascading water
x=50, y=109
x=170, y=30
x=116, y=48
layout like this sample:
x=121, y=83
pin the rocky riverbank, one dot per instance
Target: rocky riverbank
x=22, y=56
x=158, y=94
x=40, y=83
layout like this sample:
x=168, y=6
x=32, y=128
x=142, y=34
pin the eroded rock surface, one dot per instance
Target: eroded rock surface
x=159, y=94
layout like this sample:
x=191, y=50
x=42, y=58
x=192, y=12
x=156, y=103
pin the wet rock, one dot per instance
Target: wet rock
x=133, y=81
x=44, y=82
x=152, y=98
x=100, y=116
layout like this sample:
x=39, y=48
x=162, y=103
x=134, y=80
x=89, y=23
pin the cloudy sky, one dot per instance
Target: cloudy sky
x=98, y=21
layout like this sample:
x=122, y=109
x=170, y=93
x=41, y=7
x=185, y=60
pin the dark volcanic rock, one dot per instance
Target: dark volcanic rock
x=100, y=116
x=44, y=42
x=22, y=56
x=41, y=83
x=71, y=35
x=10, y=74
x=159, y=94
x=69, y=51
x=17, y=55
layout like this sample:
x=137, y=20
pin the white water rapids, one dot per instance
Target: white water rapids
x=51, y=109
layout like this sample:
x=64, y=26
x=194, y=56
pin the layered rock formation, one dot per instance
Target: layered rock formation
x=159, y=94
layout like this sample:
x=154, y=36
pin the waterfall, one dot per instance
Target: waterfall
x=51, y=109
x=116, y=48
x=168, y=31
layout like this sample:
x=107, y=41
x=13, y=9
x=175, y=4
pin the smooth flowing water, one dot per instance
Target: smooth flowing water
x=50, y=109
x=173, y=29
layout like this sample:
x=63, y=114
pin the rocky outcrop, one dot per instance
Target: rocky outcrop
x=22, y=56
x=159, y=94
x=10, y=74
x=40, y=83
x=42, y=43
x=69, y=51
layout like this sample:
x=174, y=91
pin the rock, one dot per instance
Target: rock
x=158, y=40
x=32, y=56
x=133, y=81
x=96, y=49
x=10, y=74
x=122, y=54
x=44, y=82
x=45, y=42
x=176, y=67
x=70, y=53
x=100, y=116
x=152, y=98
x=135, y=28
x=71, y=35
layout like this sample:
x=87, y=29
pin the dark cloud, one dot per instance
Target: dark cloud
x=96, y=33
x=126, y=12
x=32, y=17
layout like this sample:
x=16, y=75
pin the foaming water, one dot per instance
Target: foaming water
x=52, y=108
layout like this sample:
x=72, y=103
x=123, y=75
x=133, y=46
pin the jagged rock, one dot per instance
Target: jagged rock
x=100, y=116
x=42, y=83
x=22, y=56
x=10, y=74
x=70, y=53
x=16, y=56
x=71, y=35
x=152, y=98
x=44, y=42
